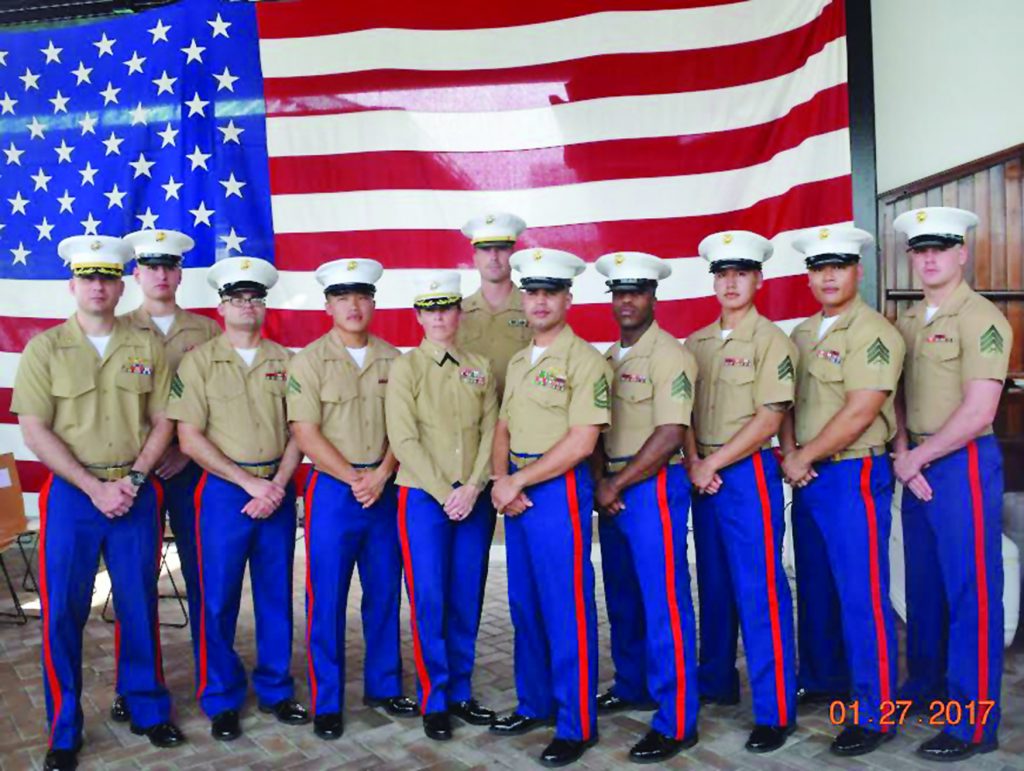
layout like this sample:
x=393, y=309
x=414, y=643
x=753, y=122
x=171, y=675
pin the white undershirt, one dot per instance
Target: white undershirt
x=358, y=355
x=623, y=351
x=163, y=322
x=99, y=343
x=726, y=333
x=826, y=325
x=248, y=355
x=536, y=354
x=929, y=311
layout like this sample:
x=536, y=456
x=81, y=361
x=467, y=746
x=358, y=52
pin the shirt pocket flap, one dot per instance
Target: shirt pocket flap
x=135, y=382
x=825, y=370
x=736, y=374
x=339, y=390
x=633, y=392
x=67, y=387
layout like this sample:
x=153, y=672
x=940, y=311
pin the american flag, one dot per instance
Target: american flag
x=313, y=130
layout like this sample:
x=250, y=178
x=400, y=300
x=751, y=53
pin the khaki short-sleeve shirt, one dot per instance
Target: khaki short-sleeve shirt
x=860, y=351
x=652, y=385
x=441, y=409
x=102, y=409
x=328, y=389
x=188, y=331
x=967, y=339
x=754, y=366
x=240, y=409
x=569, y=385
x=496, y=334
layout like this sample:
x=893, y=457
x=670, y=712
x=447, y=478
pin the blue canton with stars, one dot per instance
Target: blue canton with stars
x=154, y=120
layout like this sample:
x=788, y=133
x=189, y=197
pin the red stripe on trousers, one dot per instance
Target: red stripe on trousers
x=197, y=500
x=876, y=583
x=773, y=596
x=51, y=671
x=403, y=533
x=581, y=608
x=673, y=603
x=308, y=495
x=159, y=489
x=980, y=567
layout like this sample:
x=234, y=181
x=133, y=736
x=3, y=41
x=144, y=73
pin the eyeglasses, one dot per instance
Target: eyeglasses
x=241, y=302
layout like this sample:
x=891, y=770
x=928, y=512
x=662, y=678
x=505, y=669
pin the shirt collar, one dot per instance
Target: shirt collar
x=949, y=307
x=642, y=347
x=437, y=354
x=558, y=347
x=476, y=302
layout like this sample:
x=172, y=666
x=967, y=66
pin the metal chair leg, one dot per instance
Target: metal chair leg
x=19, y=614
x=29, y=576
x=176, y=595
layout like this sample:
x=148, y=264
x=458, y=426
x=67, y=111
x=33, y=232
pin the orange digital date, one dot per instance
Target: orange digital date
x=898, y=713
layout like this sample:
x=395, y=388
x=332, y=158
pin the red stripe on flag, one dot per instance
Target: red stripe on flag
x=545, y=85
x=981, y=578
x=553, y=166
x=327, y=17
x=799, y=207
x=673, y=602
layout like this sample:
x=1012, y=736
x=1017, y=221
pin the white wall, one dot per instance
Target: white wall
x=949, y=83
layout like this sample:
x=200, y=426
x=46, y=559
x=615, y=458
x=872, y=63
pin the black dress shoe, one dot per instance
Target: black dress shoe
x=803, y=696
x=61, y=760
x=225, y=726
x=437, y=726
x=399, y=706
x=471, y=712
x=161, y=735
x=287, y=711
x=609, y=702
x=515, y=724
x=562, y=752
x=857, y=740
x=119, y=710
x=945, y=748
x=329, y=726
x=767, y=738
x=656, y=747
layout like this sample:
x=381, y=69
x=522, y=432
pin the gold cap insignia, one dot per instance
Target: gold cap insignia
x=351, y=265
x=619, y=259
x=489, y=219
x=823, y=234
x=922, y=215
x=727, y=238
x=161, y=235
x=96, y=246
x=245, y=265
x=538, y=254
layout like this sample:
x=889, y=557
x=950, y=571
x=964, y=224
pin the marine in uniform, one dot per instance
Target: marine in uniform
x=229, y=400
x=958, y=348
x=556, y=402
x=158, y=259
x=745, y=383
x=493, y=324
x=441, y=407
x=336, y=390
x=643, y=497
x=90, y=396
x=834, y=445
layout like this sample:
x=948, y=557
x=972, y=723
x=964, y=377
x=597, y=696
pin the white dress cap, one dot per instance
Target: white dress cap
x=353, y=275
x=630, y=271
x=95, y=255
x=541, y=268
x=941, y=226
x=237, y=274
x=840, y=245
x=437, y=289
x=494, y=228
x=159, y=247
x=735, y=249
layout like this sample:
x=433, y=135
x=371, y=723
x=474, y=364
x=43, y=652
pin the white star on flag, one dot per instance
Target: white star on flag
x=20, y=254
x=142, y=167
x=135, y=63
x=233, y=241
x=196, y=106
x=193, y=52
x=35, y=129
x=13, y=155
x=90, y=225
x=44, y=228
x=3, y=58
x=230, y=132
x=226, y=80
x=202, y=214
x=110, y=93
x=115, y=197
x=65, y=202
x=51, y=52
x=105, y=45
x=220, y=27
x=41, y=179
x=164, y=83
x=82, y=74
x=63, y=152
x=138, y=115
x=159, y=32
x=88, y=174
x=232, y=186
x=113, y=144
x=88, y=124
x=60, y=103
x=148, y=219
x=30, y=79
x=167, y=136
x=7, y=104
x=198, y=158
x=171, y=189
x=18, y=203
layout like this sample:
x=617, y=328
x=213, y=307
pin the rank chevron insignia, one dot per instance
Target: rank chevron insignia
x=601, y=393
x=177, y=387
x=786, y=369
x=682, y=388
x=878, y=353
x=294, y=387
x=991, y=341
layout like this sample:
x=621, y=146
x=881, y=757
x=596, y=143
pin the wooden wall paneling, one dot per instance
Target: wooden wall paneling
x=1015, y=255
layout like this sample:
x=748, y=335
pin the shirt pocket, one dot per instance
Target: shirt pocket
x=133, y=382
x=223, y=390
x=736, y=375
x=824, y=370
x=64, y=386
x=634, y=393
x=941, y=352
x=549, y=398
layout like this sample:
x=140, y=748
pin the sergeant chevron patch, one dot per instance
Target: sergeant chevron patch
x=682, y=388
x=991, y=342
x=878, y=353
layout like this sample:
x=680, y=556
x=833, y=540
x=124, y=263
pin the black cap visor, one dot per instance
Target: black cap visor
x=634, y=285
x=734, y=264
x=357, y=287
x=155, y=260
x=244, y=286
x=936, y=240
x=832, y=258
x=540, y=282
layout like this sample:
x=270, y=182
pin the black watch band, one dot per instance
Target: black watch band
x=138, y=478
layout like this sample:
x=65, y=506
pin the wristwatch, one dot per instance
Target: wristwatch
x=137, y=478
